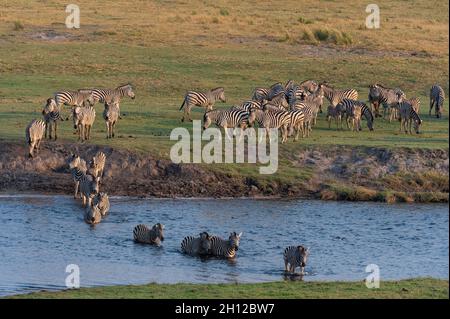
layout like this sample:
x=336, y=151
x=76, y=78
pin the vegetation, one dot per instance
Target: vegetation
x=201, y=45
x=411, y=288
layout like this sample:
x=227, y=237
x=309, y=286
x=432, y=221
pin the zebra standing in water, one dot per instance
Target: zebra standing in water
x=144, y=235
x=34, y=134
x=97, y=164
x=335, y=96
x=226, y=119
x=202, y=99
x=83, y=118
x=225, y=248
x=78, y=169
x=269, y=118
x=92, y=215
x=295, y=256
x=89, y=187
x=51, y=115
x=196, y=245
x=354, y=110
x=108, y=95
x=437, y=97
x=100, y=202
x=407, y=116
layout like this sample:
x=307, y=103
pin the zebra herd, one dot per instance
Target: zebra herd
x=293, y=108
x=83, y=113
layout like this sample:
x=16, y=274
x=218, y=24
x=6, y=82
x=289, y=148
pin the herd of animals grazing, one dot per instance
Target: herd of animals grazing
x=292, y=108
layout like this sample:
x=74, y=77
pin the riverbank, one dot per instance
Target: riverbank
x=402, y=289
x=328, y=173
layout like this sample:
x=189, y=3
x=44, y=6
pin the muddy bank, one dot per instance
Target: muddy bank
x=339, y=173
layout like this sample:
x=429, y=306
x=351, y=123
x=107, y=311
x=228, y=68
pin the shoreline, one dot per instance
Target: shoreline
x=405, y=288
x=334, y=173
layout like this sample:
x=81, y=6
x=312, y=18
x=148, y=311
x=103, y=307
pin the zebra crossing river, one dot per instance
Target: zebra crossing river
x=41, y=235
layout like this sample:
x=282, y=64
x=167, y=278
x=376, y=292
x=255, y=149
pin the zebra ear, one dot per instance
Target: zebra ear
x=240, y=234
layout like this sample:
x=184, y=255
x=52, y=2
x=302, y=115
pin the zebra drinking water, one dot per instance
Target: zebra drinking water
x=144, y=235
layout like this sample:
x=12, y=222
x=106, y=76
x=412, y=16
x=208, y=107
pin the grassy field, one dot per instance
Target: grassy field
x=412, y=288
x=166, y=48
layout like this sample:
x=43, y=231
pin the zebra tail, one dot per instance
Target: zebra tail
x=182, y=105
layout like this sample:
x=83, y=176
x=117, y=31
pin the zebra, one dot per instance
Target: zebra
x=415, y=103
x=248, y=105
x=225, y=248
x=83, y=118
x=260, y=94
x=82, y=97
x=51, y=115
x=296, y=93
x=231, y=118
x=97, y=164
x=310, y=110
x=335, y=112
x=197, y=245
x=389, y=98
x=437, y=98
x=335, y=96
x=33, y=135
x=77, y=167
x=295, y=256
x=101, y=203
x=92, y=215
x=203, y=99
x=111, y=115
x=354, y=110
x=310, y=86
x=407, y=116
x=89, y=187
x=144, y=235
x=268, y=119
x=107, y=95
x=297, y=123
x=279, y=101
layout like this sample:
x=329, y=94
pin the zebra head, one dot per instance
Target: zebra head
x=76, y=116
x=417, y=123
x=50, y=106
x=74, y=161
x=158, y=229
x=304, y=254
x=93, y=215
x=234, y=240
x=207, y=120
x=205, y=243
x=129, y=91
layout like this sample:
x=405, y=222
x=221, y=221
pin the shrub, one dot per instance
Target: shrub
x=224, y=12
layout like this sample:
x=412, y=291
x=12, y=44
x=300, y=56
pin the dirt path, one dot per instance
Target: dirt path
x=341, y=173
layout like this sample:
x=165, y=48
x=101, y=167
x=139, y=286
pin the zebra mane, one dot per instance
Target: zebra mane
x=276, y=84
x=124, y=85
x=326, y=84
x=217, y=89
x=306, y=81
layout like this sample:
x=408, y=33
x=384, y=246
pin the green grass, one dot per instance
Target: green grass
x=411, y=288
x=122, y=45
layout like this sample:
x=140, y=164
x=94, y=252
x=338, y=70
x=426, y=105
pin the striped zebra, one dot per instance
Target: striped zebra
x=77, y=167
x=310, y=110
x=335, y=96
x=144, y=235
x=82, y=97
x=295, y=256
x=83, y=119
x=337, y=113
x=415, y=103
x=248, y=105
x=33, y=135
x=97, y=164
x=101, y=203
x=196, y=245
x=202, y=99
x=269, y=119
x=108, y=95
x=260, y=94
x=437, y=98
x=296, y=93
x=92, y=215
x=297, y=123
x=407, y=116
x=225, y=119
x=387, y=97
x=310, y=86
x=89, y=187
x=111, y=115
x=51, y=115
x=225, y=248
x=353, y=111
x=278, y=101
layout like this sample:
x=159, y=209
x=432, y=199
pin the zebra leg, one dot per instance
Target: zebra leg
x=76, y=189
x=187, y=111
x=56, y=127
x=431, y=106
x=45, y=131
x=113, y=129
